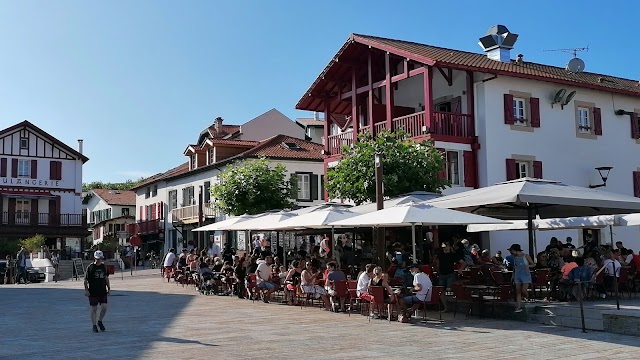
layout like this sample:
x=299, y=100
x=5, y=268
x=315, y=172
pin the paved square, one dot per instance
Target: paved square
x=149, y=318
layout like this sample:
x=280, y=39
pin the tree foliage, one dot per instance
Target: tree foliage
x=127, y=185
x=33, y=244
x=253, y=187
x=407, y=166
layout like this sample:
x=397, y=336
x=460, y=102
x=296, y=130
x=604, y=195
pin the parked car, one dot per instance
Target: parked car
x=3, y=270
x=35, y=274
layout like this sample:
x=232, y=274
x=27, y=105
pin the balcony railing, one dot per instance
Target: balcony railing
x=442, y=123
x=42, y=219
x=191, y=212
x=145, y=227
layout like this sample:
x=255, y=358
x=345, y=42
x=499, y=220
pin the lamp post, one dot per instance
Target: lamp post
x=380, y=205
x=604, y=175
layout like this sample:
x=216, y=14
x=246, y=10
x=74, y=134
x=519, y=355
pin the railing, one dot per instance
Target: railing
x=452, y=124
x=145, y=227
x=411, y=124
x=42, y=219
x=336, y=142
x=380, y=126
x=364, y=129
x=191, y=212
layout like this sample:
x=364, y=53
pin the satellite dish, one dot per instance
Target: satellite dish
x=575, y=65
x=569, y=98
x=558, y=97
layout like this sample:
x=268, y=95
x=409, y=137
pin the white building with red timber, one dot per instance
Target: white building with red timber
x=40, y=188
x=493, y=117
x=109, y=212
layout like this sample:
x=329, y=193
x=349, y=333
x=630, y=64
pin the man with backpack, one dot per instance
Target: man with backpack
x=97, y=288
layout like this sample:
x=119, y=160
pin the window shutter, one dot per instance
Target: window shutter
x=508, y=109
x=470, y=179
x=14, y=168
x=159, y=211
x=537, y=169
x=442, y=174
x=34, y=169
x=34, y=212
x=11, y=208
x=3, y=167
x=636, y=183
x=141, y=213
x=635, y=126
x=53, y=168
x=534, y=109
x=293, y=179
x=314, y=186
x=153, y=212
x=324, y=197
x=59, y=170
x=511, y=169
x=597, y=121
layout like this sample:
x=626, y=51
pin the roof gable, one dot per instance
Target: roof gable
x=180, y=169
x=116, y=197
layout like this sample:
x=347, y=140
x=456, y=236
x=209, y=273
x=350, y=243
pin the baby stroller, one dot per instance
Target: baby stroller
x=206, y=286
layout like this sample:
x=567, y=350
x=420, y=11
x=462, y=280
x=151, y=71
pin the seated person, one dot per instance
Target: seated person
x=263, y=278
x=498, y=259
x=422, y=290
x=282, y=275
x=389, y=296
x=581, y=273
x=333, y=276
x=292, y=280
x=362, y=289
x=204, y=270
x=565, y=282
x=227, y=277
x=308, y=280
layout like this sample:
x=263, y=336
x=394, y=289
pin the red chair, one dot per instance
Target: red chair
x=252, y=287
x=377, y=292
x=353, y=296
x=341, y=289
x=427, y=270
x=436, y=293
x=391, y=271
x=624, y=280
x=541, y=281
x=461, y=295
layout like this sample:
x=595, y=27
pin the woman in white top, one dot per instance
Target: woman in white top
x=308, y=283
x=611, y=268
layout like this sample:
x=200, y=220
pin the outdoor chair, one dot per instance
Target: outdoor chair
x=461, y=295
x=341, y=289
x=436, y=294
x=541, y=281
x=353, y=296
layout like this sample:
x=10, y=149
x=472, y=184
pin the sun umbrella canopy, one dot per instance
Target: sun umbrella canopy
x=265, y=222
x=628, y=220
x=317, y=219
x=416, y=196
x=414, y=213
x=548, y=199
x=228, y=222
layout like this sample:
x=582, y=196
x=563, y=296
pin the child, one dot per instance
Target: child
x=283, y=274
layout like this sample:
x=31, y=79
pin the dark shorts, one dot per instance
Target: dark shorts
x=95, y=300
x=446, y=280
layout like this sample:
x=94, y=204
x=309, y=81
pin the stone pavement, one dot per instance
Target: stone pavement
x=149, y=318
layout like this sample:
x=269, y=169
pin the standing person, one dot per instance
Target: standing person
x=522, y=264
x=9, y=275
x=97, y=287
x=21, y=266
x=325, y=247
x=169, y=263
x=228, y=252
x=55, y=261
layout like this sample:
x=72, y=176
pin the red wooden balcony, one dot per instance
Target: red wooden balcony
x=42, y=219
x=145, y=227
x=190, y=212
x=448, y=126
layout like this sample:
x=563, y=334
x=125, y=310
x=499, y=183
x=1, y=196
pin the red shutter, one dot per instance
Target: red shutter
x=442, y=174
x=59, y=173
x=14, y=168
x=534, y=110
x=160, y=210
x=141, y=209
x=55, y=170
x=635, y=126
x=597, y=121
x=511, y=169
x=3, y=167
x=470, y=179
x=34, y=212
x=11, y=208
x=636, y=183
x=34, y=169
x=146, y=212
x=153, y=212
x=508, y=109
x=537, y=169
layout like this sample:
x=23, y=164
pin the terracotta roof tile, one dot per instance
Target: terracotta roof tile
x=275, y=147
x=117, y=197
x=234, y=142
x=180, y=169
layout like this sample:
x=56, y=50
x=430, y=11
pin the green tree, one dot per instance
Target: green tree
x=127, y=185
x=34, y=243
x=253, y=187
x=407, y=166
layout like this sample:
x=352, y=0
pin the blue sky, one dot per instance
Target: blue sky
x=138, y=80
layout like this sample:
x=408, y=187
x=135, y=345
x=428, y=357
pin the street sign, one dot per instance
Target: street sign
x=123, y=234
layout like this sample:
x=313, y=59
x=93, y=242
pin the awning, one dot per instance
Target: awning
x=26, y=194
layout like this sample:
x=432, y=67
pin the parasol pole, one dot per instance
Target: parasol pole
x=615, y=274
x=413, y=240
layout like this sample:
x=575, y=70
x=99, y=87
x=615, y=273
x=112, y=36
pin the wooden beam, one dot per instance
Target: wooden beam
x=388, y=92
x=327, y=126
x=448, y=76
x=428, y=96
x=370, y=90
x=355, y=121
x=471, y=102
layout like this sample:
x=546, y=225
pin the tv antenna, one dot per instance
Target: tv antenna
x=573, y=51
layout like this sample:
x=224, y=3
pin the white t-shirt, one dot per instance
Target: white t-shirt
x=263, y=272
x=363, y=284
x=422, y=279
x=629, y=259
x=215, y=250
x=608, y=267
x=169, y=259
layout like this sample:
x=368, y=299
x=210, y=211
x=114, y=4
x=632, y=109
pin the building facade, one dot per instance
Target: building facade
x=40, y=188
x=179, y=200
x=109, y=212
x=492, y=117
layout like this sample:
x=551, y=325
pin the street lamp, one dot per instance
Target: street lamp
x=604, y=175
x=379, y=184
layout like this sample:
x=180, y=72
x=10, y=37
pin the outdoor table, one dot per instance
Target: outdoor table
x=477, y=293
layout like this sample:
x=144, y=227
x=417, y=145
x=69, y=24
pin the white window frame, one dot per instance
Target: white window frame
x=584, y=120
x=212, y=155
x=24, y=143
x=304, y=186
x=520, y=111
x=23, y=210
x=451, y=171
x=523, y=167
x=24, y=168
x=193, y=161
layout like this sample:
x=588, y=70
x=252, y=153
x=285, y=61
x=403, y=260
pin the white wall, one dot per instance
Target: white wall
x=269, y=124
x=565, y=157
